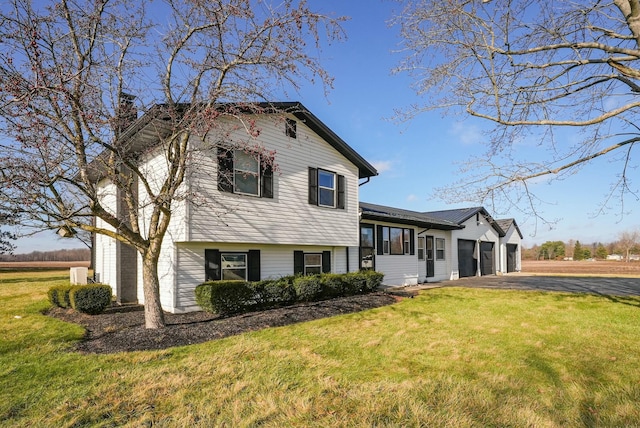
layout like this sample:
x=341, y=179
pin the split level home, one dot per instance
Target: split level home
x=297, y=212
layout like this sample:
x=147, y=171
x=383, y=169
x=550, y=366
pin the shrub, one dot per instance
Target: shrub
x=308, y=288
x=90, y=299
x=59, y=296
x=333, y=285
x=362, y=282
x=272, y=293
x=224, y=297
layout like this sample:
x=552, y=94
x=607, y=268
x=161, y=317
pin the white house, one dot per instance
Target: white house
x=248, y=218
x=412, y=247
x=285, y=201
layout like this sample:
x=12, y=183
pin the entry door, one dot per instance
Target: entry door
x=431, y=271
x=512, y=249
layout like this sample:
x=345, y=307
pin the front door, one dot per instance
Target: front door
x=512, y=250
x=429, y=256
x=486, y=258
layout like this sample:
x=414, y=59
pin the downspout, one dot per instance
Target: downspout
x=365, y=182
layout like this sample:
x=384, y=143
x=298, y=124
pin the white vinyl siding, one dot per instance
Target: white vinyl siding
x=275, y=261
x=287, y=218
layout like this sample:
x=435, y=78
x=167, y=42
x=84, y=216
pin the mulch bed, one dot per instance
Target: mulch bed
x=121, y=328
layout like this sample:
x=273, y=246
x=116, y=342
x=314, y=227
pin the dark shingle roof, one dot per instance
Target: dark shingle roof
x=506, y=223
x=400, y=216
x=145, y=130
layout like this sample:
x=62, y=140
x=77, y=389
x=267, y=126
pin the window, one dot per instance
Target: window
x=244, y=172
x=326, y=188
x=311, y=263
x=421, y=248
x=395, y=241
x=385, y=240
x=290, y=128
x=232, y=265
x=367, y=248
x=439, y=248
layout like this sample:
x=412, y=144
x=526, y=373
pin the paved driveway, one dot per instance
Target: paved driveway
x=592, y=285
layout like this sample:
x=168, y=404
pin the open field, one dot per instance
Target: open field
x=582, y=267
x=451, y=356
x=41, y=265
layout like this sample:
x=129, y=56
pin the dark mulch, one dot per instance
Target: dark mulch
x=121, y=329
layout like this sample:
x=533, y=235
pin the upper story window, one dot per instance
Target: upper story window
x=244, y=172
x=290, y=128
x=326, y=188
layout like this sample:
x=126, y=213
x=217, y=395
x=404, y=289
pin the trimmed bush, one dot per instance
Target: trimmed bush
x=90, y=299
x=231, y=297
x=224, y=297
x=59, y=296
x=333, y=285
x=309, y=288
x=361, y=282
x=273, y=293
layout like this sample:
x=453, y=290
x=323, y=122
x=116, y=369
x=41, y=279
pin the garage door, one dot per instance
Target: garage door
x=467, y=264
x=486, y=258
x=512, y=249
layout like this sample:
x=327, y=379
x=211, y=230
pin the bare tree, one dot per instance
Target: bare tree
x=74, y=72
x=6, y=246
x=627, y=240
x=530, y=67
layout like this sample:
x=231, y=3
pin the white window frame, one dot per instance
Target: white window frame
x=421, y=246
x=237, y=170
x=318, y=266
x=440, y=240
x=227, y=268
x=333, y=189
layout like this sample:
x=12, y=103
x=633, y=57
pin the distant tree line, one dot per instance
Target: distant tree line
x=72, y=255
x=627, y=244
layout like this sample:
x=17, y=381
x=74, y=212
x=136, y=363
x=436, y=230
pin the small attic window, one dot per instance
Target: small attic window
x=290, y=128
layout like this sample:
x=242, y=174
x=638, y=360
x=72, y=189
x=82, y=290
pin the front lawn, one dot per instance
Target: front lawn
x=449, y=357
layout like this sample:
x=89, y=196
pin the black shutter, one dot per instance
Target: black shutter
x=379, y=240
x=341, y=192
x=253, y=262
x=326, y=262
x=212, y=265
x=267, y=181
x=313, y=186
x=412, y=242
x=298, y=263
x=225, y=169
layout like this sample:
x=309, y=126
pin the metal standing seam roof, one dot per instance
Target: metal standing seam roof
x=400, y=216
x=460, y=215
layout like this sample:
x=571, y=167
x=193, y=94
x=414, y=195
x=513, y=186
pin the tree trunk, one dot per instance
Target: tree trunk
x=153, y=315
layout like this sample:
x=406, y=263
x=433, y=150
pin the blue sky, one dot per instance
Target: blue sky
x=413, y=158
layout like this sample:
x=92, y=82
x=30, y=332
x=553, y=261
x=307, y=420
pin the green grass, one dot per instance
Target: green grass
x=449, y=357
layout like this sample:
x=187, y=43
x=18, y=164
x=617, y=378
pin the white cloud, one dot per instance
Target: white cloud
x=382, y=166
x=412, y=198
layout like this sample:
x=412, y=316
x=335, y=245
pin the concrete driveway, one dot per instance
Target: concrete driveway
x=592, y=285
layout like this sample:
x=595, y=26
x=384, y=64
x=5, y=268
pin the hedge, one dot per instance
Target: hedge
x=59, y=296
x=90, y=299
x=230, y=297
